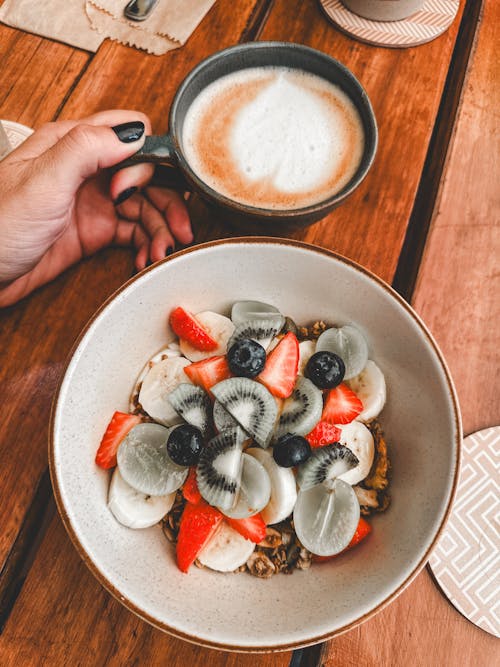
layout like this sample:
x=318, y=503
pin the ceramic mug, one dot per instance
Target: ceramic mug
x=168, y=149
x=384, y=10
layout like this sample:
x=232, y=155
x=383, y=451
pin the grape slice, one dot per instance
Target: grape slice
x=242, y=311
x=144, y=462
x=349, y=344
x=326, y=519
x=255, y=490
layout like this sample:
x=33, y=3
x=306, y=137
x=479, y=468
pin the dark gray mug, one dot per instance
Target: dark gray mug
x=167, y=149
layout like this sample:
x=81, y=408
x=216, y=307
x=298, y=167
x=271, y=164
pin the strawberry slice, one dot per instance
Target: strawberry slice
x=322, y=434
x=121, y=423
x=197, y=526
x=341, y=405
x=190, y=489
x=280, y=371
x=187, y=327
x=363, y=529
x=252, y=527
x=207, y=372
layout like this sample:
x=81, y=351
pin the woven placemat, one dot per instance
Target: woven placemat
x=432, y=20
x=466, y=560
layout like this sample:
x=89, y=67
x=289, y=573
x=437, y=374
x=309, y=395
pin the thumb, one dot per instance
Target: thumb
x=86, y=149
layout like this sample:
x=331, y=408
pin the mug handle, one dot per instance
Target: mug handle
x=159, y=150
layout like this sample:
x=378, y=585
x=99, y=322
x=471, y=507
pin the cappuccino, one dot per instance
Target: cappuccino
x=273, y=137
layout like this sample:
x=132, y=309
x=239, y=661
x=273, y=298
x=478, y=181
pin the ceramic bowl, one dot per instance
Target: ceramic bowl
x=237, y=611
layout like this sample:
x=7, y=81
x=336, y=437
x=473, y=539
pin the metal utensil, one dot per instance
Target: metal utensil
x=139, y=10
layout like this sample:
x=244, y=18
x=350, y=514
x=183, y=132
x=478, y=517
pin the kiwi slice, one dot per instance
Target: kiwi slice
x=262, y=330
x=302, y=410
x=251, y=404
x=222, y=418
x=218, y=473
x=193, y=405
x=325, y=464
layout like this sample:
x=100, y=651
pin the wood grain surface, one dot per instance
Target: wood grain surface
x=55, y=612
x=458, y=296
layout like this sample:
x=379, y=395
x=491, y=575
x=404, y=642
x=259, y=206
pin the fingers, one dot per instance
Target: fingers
x=153, y=223
x=86, y=149
x=136, y=176
x=174, y=210
x=50, y=133
x=131, y=234
x=161, y=227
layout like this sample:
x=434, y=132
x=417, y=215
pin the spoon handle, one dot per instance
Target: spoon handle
x=139, y=10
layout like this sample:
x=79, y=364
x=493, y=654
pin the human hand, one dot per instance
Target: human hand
x=58, y=202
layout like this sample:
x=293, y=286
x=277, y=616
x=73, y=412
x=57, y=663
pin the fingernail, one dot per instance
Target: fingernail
x=170, y=250
x=129, y=132
x=125, y=195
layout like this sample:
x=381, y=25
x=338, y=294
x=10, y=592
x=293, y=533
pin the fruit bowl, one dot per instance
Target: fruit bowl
x=421, y=422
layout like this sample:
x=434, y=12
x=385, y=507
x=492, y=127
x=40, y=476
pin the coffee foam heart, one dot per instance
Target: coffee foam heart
x=273, y=137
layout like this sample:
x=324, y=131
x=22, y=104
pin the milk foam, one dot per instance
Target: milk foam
x=288, y=135
x=273, y=137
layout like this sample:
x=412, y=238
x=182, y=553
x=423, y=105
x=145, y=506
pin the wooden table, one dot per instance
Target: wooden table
x=425, y=219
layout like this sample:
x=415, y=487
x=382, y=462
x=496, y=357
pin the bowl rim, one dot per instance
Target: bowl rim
x=291, y=645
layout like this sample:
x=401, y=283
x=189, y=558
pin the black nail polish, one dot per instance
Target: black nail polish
x=129, y=132
x=169, y=251
x=125, y=195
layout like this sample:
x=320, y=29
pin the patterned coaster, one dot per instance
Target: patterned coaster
x=466, y=560
x=428, y=23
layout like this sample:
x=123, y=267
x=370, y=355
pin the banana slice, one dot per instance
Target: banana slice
x=227, y=550
x=172, y=350
x=161, y=379
x=283, y=487
x=219, y=327
x=306, y=349
x=134, y=509
x=369, y=386
x=356, y=437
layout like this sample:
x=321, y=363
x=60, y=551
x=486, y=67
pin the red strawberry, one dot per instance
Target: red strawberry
x=190, y=489
x=363, y=529
x=121, y=423
x=280, y=371
x=189, y=329
x=253, y=527
x=322, y=434
x=198, y=524
x=341, y=405
x=208, y=372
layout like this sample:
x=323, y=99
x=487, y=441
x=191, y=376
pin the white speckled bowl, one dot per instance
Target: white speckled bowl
x=421, y=421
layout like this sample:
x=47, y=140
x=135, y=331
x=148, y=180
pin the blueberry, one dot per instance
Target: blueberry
x=291, y=450
x=325, y=369
x=184, y=445
x=246, y=358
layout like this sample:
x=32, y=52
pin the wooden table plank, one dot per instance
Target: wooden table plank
x=457, y=294
x=458, y=288
x=36, y=76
